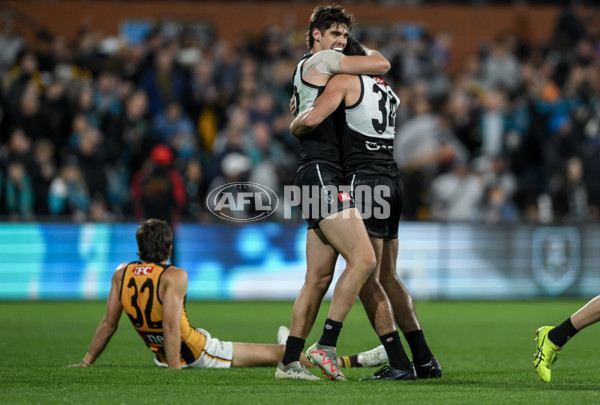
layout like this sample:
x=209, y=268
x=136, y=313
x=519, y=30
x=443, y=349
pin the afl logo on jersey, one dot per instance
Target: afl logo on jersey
x=142, y=270
x=242, y=202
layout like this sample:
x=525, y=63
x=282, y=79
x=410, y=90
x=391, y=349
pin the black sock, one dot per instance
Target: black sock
x=562, y=333
x=418, y=346
x=396, y=354
x=293, y=348
x=331, y=331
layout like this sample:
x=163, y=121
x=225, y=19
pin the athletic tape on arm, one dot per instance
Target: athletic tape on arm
x=326, y=62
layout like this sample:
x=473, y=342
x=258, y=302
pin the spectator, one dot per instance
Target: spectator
x=208, y=103
x=227, y=63
x=135, y=61
x=262, y=146
x=163, y=83
x=158, y=190
x=87, y=57
x=569, y=28
x=232, y=139
x=43, y=171
x=263, y=108
x=68, y=194
x=419, y=60
x=85, y=106
x=498, y=208
x=501, y=67
x=19, y=147
x=457, y=195
x=235, y=167
x=91, y=159
x=569, y=193
x=267, y=157
x=195, y=189
x=21, y=77
x=106, y=97
x=176, y=130
x=43, y=50
x=31, y=118
x=493, y=121
x=19, y=192
x=424, y=147
x=55, y=106
x=463, y=120
x=497, y=174
x=130, y=136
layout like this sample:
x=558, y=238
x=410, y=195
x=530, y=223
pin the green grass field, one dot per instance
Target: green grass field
x=485, y=349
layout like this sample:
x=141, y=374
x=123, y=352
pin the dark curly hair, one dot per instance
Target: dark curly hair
x=325, y=17
x=154, y=239
x=353, y=47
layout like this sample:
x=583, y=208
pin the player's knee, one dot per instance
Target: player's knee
x=323, y=283
x=364, y=263
x=369, y=262
x=319, y=283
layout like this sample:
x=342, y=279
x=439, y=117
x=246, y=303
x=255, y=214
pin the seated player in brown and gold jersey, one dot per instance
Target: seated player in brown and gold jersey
x=152, y=294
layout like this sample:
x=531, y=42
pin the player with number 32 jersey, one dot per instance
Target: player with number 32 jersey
x=369, y=133
x=139, y=297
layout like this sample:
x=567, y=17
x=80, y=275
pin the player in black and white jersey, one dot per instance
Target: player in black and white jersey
x=370, y=108
x=320, y=169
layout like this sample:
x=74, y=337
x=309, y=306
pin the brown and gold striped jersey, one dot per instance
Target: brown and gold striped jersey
x=139, y=298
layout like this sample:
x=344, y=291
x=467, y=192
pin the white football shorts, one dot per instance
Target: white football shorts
x=216, y=354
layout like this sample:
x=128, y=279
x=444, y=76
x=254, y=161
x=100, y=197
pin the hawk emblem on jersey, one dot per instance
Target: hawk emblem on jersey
x=344, y=197
x=142, y=270
x=379, y=80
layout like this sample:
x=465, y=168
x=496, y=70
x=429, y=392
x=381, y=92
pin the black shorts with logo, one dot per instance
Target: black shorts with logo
x=323, y=192
x=379, y=199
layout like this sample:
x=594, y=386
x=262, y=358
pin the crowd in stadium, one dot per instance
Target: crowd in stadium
x=95, y=128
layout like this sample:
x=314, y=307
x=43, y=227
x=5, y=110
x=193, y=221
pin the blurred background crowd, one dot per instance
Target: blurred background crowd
x=96, y=128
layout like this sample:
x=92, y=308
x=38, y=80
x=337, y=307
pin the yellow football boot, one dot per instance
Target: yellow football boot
x=546, y=355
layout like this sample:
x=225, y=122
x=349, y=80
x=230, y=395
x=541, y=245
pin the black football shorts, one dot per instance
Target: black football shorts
x=323, y=192
x=379, y=200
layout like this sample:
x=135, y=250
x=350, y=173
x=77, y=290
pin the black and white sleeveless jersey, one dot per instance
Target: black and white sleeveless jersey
x=369, y=132
x=324, y=143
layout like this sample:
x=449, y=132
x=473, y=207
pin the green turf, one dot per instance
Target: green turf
x=485, y=349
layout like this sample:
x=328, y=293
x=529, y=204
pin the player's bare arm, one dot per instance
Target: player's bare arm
x=374, y=63
x=328, y=58
x=322, y=65
x=173, y=290
x=108, y=326
x=340, y=88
